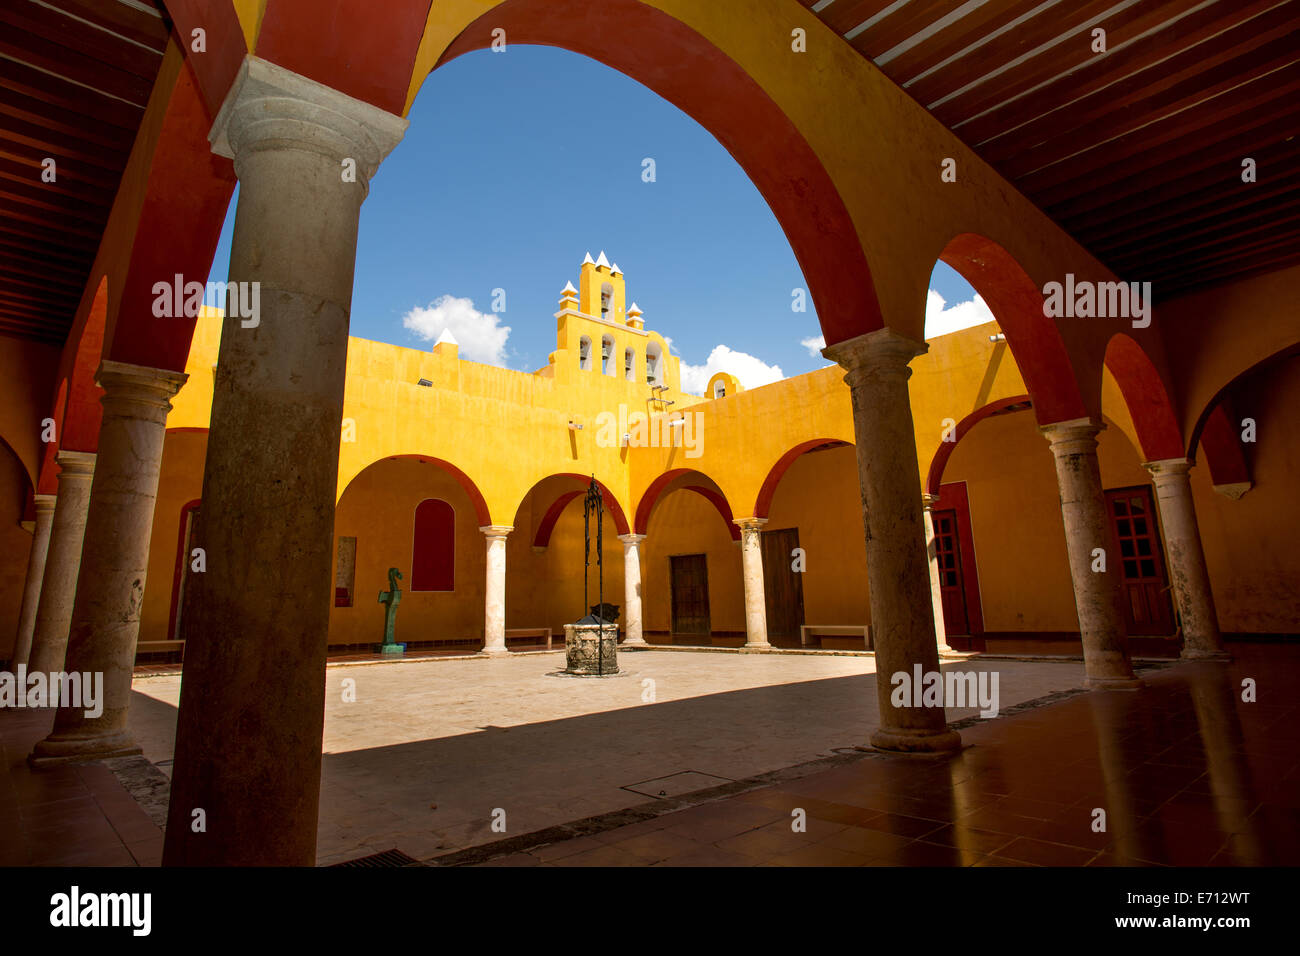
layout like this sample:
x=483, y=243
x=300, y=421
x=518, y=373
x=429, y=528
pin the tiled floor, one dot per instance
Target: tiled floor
x=1185, y=770
x=1187, y=773
x=66, y=816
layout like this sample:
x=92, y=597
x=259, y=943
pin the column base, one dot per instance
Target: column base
x=493, y=652
x=917, y=741
x=756, y=648
x=1194, y=654
x=56, y=751
x=1114, y=683
x=634, y=645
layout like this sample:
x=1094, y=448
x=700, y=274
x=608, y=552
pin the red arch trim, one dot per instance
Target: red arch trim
x=720, y=503
x=1033, y=338
x=656, y=491
x=547, y=525
x=476, y=498
x=1221, y=448
x=611, y=503
x=934, y=478
x=674, y=61
x=763, y=504
x=83, y=413
x=1147, y=400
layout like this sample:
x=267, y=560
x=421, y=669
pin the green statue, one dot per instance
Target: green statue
x=390, y=599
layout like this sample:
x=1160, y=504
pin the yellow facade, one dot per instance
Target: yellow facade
x=501, y=446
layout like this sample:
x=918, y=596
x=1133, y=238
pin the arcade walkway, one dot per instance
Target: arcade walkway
x=1187, y=772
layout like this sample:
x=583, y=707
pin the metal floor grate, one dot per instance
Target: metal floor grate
x=388, y=858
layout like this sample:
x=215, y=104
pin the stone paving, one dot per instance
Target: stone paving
x=431, y=748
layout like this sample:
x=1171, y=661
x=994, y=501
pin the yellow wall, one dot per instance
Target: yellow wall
x=180, y=481
x=685, y=523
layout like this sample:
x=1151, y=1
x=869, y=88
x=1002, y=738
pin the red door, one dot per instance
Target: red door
x=1147, y=608
x=947, y=547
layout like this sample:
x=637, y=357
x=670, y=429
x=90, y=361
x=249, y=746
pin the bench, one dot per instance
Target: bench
x=530, y=632
x=830, y=629
x=160, y=647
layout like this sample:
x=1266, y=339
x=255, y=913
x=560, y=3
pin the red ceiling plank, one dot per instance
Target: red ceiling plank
x=1193, y=101
x=1044, y=65
x=1174, y=147
x=123, y=19
x=1120, y=201
x=900, y=24
x=46, y=55
x=1153, y=94
x=1239, y=222
x=1216, y=24
x=955, y=37
x=843, y=15
x=77, y=99
x=78, y=36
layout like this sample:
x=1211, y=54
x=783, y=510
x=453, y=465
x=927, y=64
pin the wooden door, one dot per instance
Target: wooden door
x=952, y=586
x=1148, y=609
x=782, y=586
x=690, y=590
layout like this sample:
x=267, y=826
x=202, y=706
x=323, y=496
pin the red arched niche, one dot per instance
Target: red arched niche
x=934, y=478
x=674, y=61
x=47, y=482
x=433, y=549
x=1033, y=337
x=660, y=487
x=763, y=505
x=1146, y=397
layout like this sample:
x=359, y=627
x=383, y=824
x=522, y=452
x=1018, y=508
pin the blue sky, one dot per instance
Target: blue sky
x=497, y=185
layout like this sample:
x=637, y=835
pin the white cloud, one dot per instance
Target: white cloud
x=941, y=319
x=751, y=371
x=814, y=345
x=481, y=337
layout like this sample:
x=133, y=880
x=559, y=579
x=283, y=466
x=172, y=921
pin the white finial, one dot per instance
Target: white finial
x=446, y=338
x=615, y=269
x=633, y=309
x=602, y=261
x=587, y=260
x=568, y=289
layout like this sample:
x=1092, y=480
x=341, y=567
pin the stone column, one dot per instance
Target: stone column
x=62, y=562
x=632, y=636
x=114, y=558
x=751, y=562
x=898, y=572
x=936, y=589
x=35, y=574
x=1191, y=580
x=494, y=611
x=248, y=737
x=1098, y=595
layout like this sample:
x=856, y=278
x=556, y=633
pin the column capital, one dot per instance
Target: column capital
x=1073, y=436
x=1168, y=468
x=269, y=107
x=45, y=503
x=75, y=463
x=749, y=524
x=883, y=351
x=928, y=500
x=138, y=391
x=631, y=538
x=496, y=530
